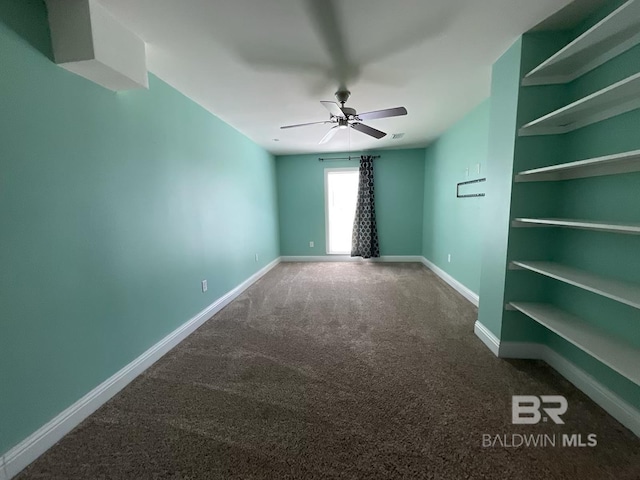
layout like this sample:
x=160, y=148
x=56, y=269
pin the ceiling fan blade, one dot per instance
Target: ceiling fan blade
x=329, y=135
x=361, y=127
x=326, y=21
x=304, y=124
x=334, y=109
x=389, y=112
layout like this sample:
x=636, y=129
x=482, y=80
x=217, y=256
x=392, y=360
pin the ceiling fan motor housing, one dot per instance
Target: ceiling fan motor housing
x=349, y=111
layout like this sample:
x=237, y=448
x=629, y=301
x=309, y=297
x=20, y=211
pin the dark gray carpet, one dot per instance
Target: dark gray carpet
x=337, y=370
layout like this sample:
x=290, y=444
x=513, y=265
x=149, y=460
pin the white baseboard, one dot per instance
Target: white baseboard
x=617, y=407
x=348, y=258
x=459, y=287
x=487, y=337
x=16, y=459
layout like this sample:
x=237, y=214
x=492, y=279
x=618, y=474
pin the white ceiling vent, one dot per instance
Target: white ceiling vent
x=89, y=41
x=397, y=136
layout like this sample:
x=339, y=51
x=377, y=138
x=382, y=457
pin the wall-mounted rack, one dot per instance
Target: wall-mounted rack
x=625, y=162
x=469, y=182
x=615, y=353
x=610, y=37
x=612, y=227
x=623, y=292
x=320, y=159
x=616, y=99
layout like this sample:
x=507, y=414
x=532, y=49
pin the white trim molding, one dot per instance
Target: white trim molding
x=488, y=338
x=348, y=258
x=617, y=407
x=459, y=287
x=20, y=456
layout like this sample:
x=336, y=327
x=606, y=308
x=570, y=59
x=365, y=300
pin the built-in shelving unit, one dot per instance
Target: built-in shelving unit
x=625, y=162
x=616, y=99
x=610, y=37
x=600, y=313
x=633, y=229
x=616, y=354
x=623, y=292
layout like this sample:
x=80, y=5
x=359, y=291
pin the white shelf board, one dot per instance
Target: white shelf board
x=623, y=292
x=614, y=353
x=625, y=162
x=633, y=229
x=610, y=37
x=616, y=99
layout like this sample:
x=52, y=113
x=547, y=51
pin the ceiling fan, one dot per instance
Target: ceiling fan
x=344, y=117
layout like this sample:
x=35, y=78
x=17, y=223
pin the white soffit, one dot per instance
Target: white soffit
x=88, y=41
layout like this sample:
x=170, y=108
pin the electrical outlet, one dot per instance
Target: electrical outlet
x=256, y=257
x=478, y=168
x=466, y=172
x=449, y=258
x=312, y=244
x=204, y=286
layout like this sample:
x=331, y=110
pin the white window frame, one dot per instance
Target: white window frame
x=327, y=171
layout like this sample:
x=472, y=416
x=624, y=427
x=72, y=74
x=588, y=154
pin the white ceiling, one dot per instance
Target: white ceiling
x=260, y=64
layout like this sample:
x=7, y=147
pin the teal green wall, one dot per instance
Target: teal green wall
x=502, y=131
x=511, y=106
x=114, y=207
x=399, y=195
x=532, y=199
x=455, y=225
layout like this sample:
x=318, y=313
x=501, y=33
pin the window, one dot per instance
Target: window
x=341, y=194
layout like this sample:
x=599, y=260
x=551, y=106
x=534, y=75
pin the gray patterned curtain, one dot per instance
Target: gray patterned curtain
x=364, y=240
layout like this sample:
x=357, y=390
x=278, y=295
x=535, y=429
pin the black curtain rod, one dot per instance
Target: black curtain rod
x=345, y=158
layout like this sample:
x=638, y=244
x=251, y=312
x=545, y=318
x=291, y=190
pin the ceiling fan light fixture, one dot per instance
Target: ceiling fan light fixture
x=342, y=117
